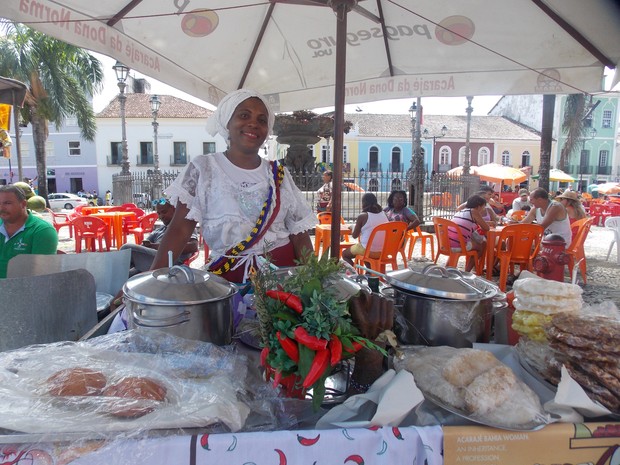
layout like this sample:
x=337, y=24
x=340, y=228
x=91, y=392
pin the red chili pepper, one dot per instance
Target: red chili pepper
x=289, y=346
x=263, y=356
x=335, y=349
x=318, y=367
x=277, y=378
x=356, y=347
x=311, y=342
x=289, y=299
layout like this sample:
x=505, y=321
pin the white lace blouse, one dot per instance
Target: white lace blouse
x=226, y=200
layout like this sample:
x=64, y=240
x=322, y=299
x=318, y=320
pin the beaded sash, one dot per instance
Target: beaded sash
x=228, y=259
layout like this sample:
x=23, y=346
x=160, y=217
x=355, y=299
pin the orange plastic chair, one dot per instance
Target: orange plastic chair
x=191, y=258
x=517, y=245
x=442, y=226
x=145, y=225
x=415, y=235
x=90, y=229
x=207, y=252
x=392, y=235
x=575, y=250
x=60, y=220
x=324, y=217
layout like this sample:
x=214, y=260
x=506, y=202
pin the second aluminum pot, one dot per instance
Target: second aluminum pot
x=442, y=306
x=182, y=301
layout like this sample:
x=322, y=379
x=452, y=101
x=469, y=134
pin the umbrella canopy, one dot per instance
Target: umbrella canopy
x=608, y=188
x=287, y=49
x=458, y=171
x=494, y=172
x=557, y=175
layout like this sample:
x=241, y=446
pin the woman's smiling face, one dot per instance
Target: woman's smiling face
x=249, y=125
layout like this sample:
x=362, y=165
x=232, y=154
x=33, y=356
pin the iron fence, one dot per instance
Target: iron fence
x=442, y=193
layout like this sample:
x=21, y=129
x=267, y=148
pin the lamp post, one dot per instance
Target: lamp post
x=591, y=135
x=122, y=189
x=426, y=135
x=417, y=162
x=467, y=161
x=155, y=103
x=122, y=72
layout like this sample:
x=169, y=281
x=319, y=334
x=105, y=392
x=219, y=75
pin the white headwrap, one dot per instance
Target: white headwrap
x=217, y=122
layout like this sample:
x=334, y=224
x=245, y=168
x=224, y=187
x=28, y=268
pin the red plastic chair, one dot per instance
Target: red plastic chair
x=90, y=229
x=145, y=226
x=61, y=220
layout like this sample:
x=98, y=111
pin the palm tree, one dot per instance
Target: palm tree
x=61, y=80
x=573, y=125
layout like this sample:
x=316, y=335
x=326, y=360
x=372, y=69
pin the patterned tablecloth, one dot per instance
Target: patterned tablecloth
x=408, y=445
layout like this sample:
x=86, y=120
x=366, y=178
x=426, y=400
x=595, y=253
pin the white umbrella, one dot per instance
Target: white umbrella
x=295, y=51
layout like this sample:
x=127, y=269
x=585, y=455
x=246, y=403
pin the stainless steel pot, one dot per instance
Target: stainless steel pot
x=182, y=301
x=442, y=306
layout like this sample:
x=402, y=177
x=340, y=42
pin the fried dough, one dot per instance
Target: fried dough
x=76, y=382
x=464, y=367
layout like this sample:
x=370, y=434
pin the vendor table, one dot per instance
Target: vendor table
x=114, y=220
x=389, y=446
x=323, y=236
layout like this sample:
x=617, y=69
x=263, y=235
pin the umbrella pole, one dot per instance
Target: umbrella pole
x=341, y=8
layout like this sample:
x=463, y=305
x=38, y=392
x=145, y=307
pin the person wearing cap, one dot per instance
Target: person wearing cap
x=142, y=256
x=550, y=214
x=574, y=208
x=246, y=205
x=522, y=202
x=21, y=232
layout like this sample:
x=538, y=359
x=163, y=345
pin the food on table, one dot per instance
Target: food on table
x=76, y=382
x=475, y=382
x=137, y=388
x=589, y=347
x=537, y=300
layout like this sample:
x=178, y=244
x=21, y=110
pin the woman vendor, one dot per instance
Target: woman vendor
x=246, y=206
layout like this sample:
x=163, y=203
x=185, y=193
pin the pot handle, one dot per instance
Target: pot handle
x=186, y=270
x=175, y=320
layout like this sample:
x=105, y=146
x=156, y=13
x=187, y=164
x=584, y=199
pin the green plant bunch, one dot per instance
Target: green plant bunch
x=305, y=329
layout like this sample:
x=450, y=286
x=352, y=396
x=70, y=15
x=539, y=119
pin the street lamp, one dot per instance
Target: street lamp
x=426, y=135
x=417, y=161
x=155, y=103
x=589, y=136
x=122, y=72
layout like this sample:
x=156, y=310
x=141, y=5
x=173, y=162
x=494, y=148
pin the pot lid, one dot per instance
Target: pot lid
x=178, y=285
x=437, y=281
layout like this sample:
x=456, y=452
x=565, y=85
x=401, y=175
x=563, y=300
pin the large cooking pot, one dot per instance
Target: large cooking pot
x=442, y=306
x=182, y=301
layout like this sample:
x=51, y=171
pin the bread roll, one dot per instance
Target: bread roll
x=489, y=390
x=76, y=382
x=142, y=395
x=466, y=365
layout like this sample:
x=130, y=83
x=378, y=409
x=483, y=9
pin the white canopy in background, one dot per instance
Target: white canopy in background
x=286, y=49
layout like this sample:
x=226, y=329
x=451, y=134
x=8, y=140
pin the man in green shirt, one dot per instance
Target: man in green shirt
x=20, y=231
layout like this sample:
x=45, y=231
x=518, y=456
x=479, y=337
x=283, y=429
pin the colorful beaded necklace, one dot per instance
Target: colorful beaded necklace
x=225, y=262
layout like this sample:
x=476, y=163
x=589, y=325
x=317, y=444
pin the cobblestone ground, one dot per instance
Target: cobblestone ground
x=603, y=276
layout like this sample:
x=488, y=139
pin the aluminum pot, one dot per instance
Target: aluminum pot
x=182, y=301
x=442, y=306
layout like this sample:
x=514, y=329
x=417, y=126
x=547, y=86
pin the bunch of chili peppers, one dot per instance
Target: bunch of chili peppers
x=312, y=333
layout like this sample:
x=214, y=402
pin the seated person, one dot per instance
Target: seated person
x=21, y=232
x=496, y=204
x=523, y=201
x=486, y=192
x=142, y=256
x=470, y=221
x=372, y=215
x=324, y=193
x=397, y=210
x=550, y=214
